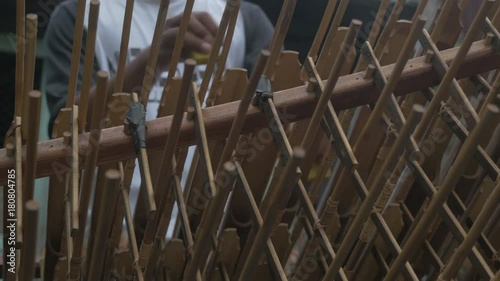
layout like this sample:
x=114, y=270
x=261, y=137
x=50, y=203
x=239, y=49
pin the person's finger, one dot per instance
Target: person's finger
x=207, y=21
x=199, y=28
x=191, y=41
x=173, y=22
x=194, y=43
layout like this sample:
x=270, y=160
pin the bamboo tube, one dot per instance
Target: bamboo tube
x=75, y=171
x=280, y=32
x=103, y=224
x=266, y=159
x=221, y=64
x=334, y=27
x=232, y=7
x=126, y=171
x=179, y=43
x=440, y=25
x=240, y=117
x=489, y=118
x=67, y=222
x=34, y=107
x=184, y=218
x=20, y=194
x=323, y=26
x=287, y=183
x=323, y=101
x=144, y=162
x=377, y=111
x=389, y=26
x=327, y=89
x=162, y=182
x=215, y=206
x=88, y=64
x=377, y=25
x=373, y=194
x=442, y=91
x=20, y=49
x=131, y=233
x=150, y=72
x=77, y=49
x=455, y=262
x=28, y=262
x=420, y=9
x=382, y=101
x=122, y=59
x=88, y=173
x=257, y=219
x=29, y=66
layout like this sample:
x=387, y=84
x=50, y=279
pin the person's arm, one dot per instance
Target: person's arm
x=59, y=53
x=200, y=34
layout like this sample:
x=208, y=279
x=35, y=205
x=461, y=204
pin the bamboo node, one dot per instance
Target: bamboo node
x=75, y=268
x=311, y=85
x=429, y=55
x=318, y=225
x=496, y=257
x=370, y=70
x=10, y=149
x=144, y=254
x=367, y=232
x=489, y=39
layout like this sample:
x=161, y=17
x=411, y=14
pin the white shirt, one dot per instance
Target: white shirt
x=144, y=17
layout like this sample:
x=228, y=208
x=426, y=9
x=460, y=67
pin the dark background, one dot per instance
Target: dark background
x=306, y=19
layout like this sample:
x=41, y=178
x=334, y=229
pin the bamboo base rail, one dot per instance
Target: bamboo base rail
x=387, y=170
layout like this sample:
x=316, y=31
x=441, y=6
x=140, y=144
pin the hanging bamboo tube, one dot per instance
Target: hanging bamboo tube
x=88, y=65
x=455, y=262
x=29, y=65
x=88, y=173
x=111, y=193
x=322, y=29
x=34, y=103
x=77, y=49
x=230, y=11
x=287, y=183
x=489, y=118
x=324, y=99
x=374, y=193
x=154, y=50
x=334, y=27
x=375, y=117
x=20, y=49
x=179, y=43
x=28, y=261
x=221, y=63
x=216, y=204
x=162, y=188
x=74, y=175
x=122, y=59
x=20, y=194
x=442, y=91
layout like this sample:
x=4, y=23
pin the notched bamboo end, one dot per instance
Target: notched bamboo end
x=10, y=149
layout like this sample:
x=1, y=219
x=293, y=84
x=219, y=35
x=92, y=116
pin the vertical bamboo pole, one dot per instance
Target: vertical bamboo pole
x=28, y=262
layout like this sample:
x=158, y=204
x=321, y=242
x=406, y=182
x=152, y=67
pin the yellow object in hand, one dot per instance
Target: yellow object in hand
x=200, y=58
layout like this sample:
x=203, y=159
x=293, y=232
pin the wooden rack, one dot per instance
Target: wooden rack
x=372, y=164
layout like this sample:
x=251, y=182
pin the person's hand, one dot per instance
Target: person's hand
x=199, y=36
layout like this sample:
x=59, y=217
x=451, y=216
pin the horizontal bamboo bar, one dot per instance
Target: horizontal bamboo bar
x=295, y=104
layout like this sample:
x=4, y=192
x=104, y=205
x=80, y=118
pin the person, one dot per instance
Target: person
x=253, y=32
